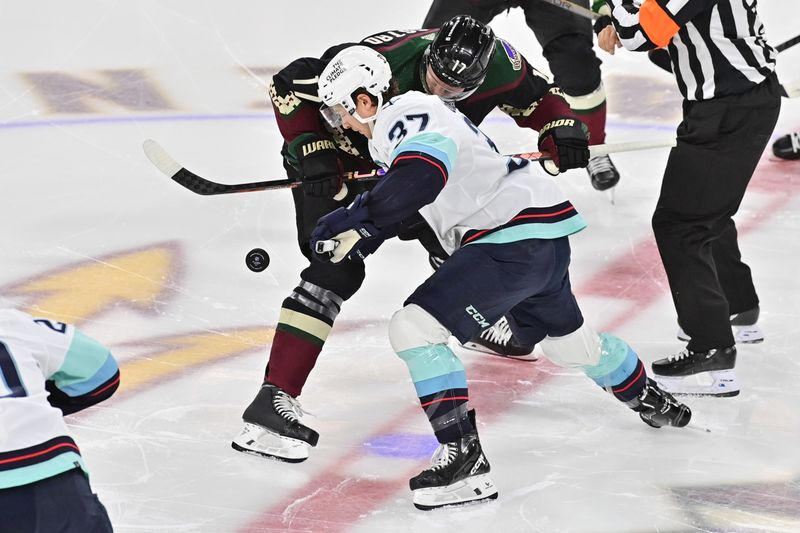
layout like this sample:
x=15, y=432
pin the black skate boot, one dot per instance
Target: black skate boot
x=459, y=473
x=745, y=328
x=658, y=408
x=272, y=427
x=602, y=172
x=499, y=340
x=788, y=146
x=708, y=373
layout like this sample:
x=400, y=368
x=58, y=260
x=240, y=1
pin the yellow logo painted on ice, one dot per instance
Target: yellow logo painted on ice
x=79, y=292
x=184, y=352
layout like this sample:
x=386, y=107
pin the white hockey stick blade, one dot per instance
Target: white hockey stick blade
x=792, y=89
x=612, y=148
x=160, y=158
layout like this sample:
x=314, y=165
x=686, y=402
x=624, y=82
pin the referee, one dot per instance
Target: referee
x=725, y=71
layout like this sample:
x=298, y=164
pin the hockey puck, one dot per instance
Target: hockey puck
x=257, y=260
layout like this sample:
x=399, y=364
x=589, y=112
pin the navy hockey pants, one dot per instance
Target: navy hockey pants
x=62, y=503
x=528, y=281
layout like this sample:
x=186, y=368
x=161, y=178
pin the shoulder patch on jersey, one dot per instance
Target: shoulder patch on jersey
x=286, y=105
x=513, y=56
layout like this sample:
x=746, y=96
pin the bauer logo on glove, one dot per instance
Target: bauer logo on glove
x=567, y=142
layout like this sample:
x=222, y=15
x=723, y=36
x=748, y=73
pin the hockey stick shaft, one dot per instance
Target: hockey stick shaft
x=788, y=44
x=574, y=8
x=199, y=185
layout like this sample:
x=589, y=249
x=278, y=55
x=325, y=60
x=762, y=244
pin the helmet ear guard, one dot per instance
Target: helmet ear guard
x=460, y=54
x=356, y=67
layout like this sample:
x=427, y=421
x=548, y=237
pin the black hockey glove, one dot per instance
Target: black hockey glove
x=567, y=142
x=320, y=167
x=346, y=232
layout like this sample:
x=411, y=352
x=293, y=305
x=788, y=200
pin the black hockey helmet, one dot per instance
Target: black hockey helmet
x=460, y=54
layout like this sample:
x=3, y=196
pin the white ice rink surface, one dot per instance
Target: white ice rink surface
x=93, y=234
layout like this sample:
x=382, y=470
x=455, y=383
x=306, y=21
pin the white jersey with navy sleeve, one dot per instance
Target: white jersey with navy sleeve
x=34, y=441
x=487, y=197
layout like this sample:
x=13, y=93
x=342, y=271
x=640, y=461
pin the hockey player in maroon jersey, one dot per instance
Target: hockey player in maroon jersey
x=566, y=40
x=463, y=64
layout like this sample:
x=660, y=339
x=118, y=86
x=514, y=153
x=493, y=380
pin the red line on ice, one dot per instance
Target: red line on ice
x=636, y=277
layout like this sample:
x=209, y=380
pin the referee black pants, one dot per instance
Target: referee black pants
x=720, y=142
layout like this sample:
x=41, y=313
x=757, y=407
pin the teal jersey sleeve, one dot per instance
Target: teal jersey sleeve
x=86, y=367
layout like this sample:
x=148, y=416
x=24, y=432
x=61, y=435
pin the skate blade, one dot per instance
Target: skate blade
x=748, y=334
x=717, y=383
x=475, y=347
x=741, y=335
x=256, y=440
x=470, y=490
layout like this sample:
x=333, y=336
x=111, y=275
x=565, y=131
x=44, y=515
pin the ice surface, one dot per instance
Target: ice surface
x=92, y=233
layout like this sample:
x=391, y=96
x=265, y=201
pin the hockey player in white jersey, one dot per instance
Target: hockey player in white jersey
x=506, y=225
x=48, y=369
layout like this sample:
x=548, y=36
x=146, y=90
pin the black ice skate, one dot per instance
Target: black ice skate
x=708, y=373
x=788, y=146
x=499, y=340
x=658, y=408
x=272, y=427
x=745, y=328
x=459, y=473
x=602, y=172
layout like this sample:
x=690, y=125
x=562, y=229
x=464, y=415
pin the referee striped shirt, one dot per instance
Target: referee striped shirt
x=717, y=47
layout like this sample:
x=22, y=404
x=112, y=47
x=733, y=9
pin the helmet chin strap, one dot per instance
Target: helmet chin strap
x=370, y=121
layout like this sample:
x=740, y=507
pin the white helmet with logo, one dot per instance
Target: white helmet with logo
x=353, y=68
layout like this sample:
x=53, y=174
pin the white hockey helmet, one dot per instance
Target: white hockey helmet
x=353, y=68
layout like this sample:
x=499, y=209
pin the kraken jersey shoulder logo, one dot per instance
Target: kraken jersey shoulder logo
x=513, y=56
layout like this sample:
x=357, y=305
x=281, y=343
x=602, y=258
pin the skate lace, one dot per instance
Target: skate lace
x=795, y=137
x=499, y=333
x=445, y=454
x=683, y=354
x=288, y=407
x=599, y=164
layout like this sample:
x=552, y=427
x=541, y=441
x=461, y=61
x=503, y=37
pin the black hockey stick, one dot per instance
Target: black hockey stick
x=200, y=185
x=788, y=44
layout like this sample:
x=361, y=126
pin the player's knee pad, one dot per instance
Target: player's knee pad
x=412, y=327
x=582, y=347
x=421, y=342
x=575, y=67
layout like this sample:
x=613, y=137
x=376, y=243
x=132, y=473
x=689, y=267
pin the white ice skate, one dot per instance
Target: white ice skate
x=259, y=441
x=474, y=488
x=744, y=325
x=752, y=334
x=459, y=473
x=720, y=383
